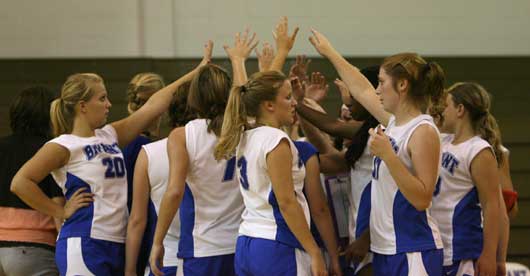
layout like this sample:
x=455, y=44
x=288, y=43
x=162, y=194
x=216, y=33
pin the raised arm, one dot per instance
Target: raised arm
x=320, y=214
x=238, y=54
x=138, y=218
x=485, y=176
x=25, y=183
x=360, y=88
x=130, y=127
x=284, y=43
x=279, y=162
x=178, y=168
x=324, y=122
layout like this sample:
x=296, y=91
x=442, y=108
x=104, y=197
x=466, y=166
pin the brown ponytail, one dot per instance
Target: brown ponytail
x=426, y=79
x=244, y=101
x=476, y=101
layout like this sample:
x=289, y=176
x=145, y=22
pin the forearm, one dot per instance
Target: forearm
x=324, y=223
x=294, y=217
x=325, y=122
x=239, y=72
x=168, y=208
x=316, y=137
x=279, y=61
x=32, y=195
x=504, y=232
x=412, y=188
x=135, y=230
x=360, y=88
x=491, y=227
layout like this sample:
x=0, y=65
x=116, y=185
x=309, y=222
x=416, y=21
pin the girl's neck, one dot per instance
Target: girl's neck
x=463, y=132
x=267, y=122
x=82, y=129
x=405, y=114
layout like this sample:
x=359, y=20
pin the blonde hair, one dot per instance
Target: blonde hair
x=244, y=101
x=426, y=79
x=476, y=101
x=78, y=87
x=142, y=82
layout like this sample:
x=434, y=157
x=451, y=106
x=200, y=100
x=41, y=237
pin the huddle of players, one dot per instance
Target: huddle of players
x=429, y=201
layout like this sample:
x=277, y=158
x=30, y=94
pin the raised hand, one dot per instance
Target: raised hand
x=321, y=43
x=284, y=41
x=243, y=46
x=298, y=89
x=265, y=57
x=299, y=68
x=207, y=53
x=344, y=92
x=78, y=200
x=317, y=89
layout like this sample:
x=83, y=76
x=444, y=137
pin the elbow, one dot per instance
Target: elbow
x=16, y=186
x=136, y=222
x=422, y=204
x=286, y=203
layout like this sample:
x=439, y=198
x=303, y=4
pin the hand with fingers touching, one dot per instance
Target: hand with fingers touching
x=380, y=144
x=321, y=43
x=317, y=88
x=243, y=46
x=299, y=68
x=77, y=201
x=266, y=57
x=156, y=259
x=318, y=265
x=298, y=89
x=284, y=41
x=344, y=92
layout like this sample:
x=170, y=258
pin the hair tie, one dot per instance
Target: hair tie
x=243, y=89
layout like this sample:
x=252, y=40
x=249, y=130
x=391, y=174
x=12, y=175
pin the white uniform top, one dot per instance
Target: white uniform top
x=158, y=173
x=361, y=177
x=456, y=205
x=395, y=225
x=95, y=163
x=210, y=212
x=262, y=217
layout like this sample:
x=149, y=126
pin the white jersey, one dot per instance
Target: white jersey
x=158, y=173
x=262, y=217
x=210, y=212
x=95, y=163
x=361, y=177
x=395, y=225
x=456, y=205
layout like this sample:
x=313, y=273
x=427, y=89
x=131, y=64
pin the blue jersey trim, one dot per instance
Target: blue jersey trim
x=412, y=230
x=187, y=223
x=467, y=229
x=283, y=233
x=362, y=222
x=80, y=223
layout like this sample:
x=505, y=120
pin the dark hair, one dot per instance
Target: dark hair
x=426, y=79
x=360, y=139
x=29, y=113
x=179, y=113
x=208, y=95
x=476, y=101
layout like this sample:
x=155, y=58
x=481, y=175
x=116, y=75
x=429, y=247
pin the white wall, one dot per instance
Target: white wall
x=178, y=28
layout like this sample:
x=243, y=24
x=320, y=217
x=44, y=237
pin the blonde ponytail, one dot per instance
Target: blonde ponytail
x=234, y=123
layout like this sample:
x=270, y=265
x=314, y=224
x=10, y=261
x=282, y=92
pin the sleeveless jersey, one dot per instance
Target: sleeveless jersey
x=456, y=205
x=210, y=212
x=361, y=177
x=395, y=225
x=158, y=173
x=95, y=163
x=262, y=217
